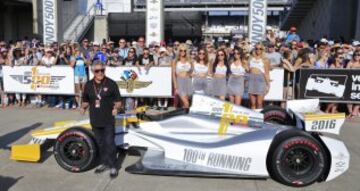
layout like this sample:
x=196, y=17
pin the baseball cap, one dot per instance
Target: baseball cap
x=96, y=43
x=293, y=29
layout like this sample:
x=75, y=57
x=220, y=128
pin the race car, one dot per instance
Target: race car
x=215, y=139
x=325, y=85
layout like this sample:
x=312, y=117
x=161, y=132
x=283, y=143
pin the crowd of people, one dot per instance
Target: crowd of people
x=216, y=68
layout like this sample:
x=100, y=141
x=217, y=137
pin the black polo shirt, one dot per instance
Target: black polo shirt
x=109, y=92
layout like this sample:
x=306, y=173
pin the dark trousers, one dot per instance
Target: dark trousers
x=105, y=138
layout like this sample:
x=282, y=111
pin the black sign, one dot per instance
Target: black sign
x=330, y=85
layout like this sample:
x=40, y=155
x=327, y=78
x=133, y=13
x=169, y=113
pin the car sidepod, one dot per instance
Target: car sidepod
x=242, y=155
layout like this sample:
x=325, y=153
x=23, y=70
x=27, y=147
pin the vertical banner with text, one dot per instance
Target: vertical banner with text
x=50, y=21
x=257, y=20
x=154, y=21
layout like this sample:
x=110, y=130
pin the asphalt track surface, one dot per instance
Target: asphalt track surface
x=46, y=175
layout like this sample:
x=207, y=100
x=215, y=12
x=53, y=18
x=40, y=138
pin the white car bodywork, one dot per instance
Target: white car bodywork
x=215, y=139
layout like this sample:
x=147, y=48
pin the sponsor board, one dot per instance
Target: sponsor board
x=330, y=85
x=154, y=21
x=276, y=86
x=50, y=21
x=257, y=20
x=276, y=91
x=39, y=79
x=137, y=82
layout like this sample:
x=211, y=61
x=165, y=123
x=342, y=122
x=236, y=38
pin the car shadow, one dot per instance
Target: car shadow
x=9, y=138
x=7, y=182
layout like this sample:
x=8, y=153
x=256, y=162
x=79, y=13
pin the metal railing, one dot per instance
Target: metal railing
x=81, y=26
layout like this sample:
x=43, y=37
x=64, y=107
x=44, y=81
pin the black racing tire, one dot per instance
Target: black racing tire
x=277, y=115
x=75, y=150
x=298, y=160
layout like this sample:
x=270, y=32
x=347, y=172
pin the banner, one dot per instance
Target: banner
x=154, y=21
x=276, y=85
x=133, y=82
x=49, y=21
x=257, y=20
x=39, y=79
x=330, y=85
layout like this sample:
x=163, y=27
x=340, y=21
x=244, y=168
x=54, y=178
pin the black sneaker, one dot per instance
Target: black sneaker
x=101, y=169
x=113, y=173
x=165, y=108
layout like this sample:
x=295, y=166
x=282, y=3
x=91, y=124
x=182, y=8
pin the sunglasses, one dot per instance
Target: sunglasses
x=341, y=57
x=258, y=49
x=176, y=44
x=357, y=55
x=182, y=50
x=100, y=70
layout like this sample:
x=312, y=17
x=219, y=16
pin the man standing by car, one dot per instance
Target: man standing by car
x=102, y=97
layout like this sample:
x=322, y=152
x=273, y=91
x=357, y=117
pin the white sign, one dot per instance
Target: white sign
x=154, y=21
x=257, y=20
x=276, y=85
x=136, y=82
x=116, y=6
x=49, y=21
x=39, y=79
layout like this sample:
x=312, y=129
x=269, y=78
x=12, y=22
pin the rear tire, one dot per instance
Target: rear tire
x=75, y=150
x=277, y=115
x=298, y=161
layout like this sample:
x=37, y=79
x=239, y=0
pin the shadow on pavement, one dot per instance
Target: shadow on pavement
x=8, y=182
x=9, y=138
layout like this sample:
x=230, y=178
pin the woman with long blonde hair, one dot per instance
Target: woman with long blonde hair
x=181, y=71
x=259, y=77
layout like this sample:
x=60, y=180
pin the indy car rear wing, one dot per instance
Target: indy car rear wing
x=309, y=117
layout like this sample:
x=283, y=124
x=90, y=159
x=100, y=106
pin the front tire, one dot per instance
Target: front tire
x=75, y=150
x=298, y=161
